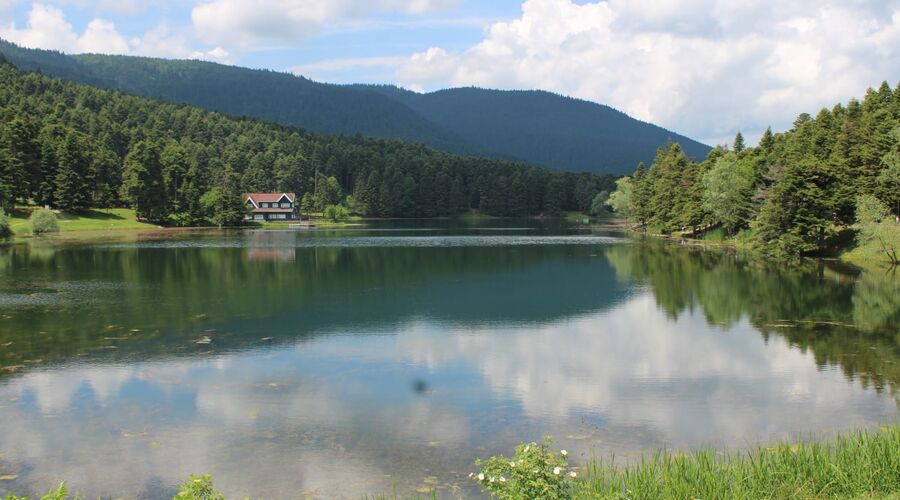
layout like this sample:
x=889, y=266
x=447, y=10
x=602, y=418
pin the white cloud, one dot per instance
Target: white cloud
x=162, y=41
x=706, y=68
x=237, y=22
x=47, y=28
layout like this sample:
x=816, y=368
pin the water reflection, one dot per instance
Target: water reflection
x=343, y=371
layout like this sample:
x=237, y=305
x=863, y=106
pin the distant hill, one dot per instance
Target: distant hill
x=533, y=126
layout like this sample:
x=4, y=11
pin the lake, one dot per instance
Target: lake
x=338, y=363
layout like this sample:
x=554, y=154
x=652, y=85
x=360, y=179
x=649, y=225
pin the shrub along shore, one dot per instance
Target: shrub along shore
x=858, y=464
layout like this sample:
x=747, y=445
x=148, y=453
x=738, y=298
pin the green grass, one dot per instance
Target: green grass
x=474, y=216
x=92, y=220
x=869, y=253
x=863, y=464
x=577, y=217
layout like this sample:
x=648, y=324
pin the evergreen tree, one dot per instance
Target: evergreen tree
x=223, y=203
x=142, y=182
x=107, y=177
x=738, y=143
x=73, y=183
x=554, y=200
x=767, y=141
x=19, y=137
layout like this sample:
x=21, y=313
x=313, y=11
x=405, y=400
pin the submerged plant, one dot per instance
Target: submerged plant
x=533, y=472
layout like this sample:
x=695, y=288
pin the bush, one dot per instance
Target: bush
x=5, y=229
x=871, y=210
x=198, y=488
x=44, y=221
x=534, y=472
x=336, y=213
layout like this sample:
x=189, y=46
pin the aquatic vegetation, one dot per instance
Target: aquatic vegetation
x=60, y=493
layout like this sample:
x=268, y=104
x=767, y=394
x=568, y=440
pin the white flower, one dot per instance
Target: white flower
x=512, y=464
x=481, y=477
x=557, y=470
x=572, y=474
x=502, y=479
x=564, y=453
x=528, y=447
x=471, y=475
x=492, y=479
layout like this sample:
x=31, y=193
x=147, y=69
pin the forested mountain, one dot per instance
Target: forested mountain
x=794, y=193
x=73, y=146
x=545, y=128
x=537, y=127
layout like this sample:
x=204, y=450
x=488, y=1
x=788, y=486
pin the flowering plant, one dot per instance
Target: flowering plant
x=534, y=472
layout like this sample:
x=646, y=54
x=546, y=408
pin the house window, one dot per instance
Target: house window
x=285, y=205
x=265, y=205
x=281, y=216
x=258, y=217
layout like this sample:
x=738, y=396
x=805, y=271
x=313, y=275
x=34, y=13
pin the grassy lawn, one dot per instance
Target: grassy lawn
x=92, y=220
x=855, y=465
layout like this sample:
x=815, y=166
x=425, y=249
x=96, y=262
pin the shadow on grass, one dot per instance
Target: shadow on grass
x=91, y=215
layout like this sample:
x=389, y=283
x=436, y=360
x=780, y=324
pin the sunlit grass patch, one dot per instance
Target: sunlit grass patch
x=862, y=464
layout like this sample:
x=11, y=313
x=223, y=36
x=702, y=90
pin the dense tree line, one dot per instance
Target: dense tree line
x=532, y=126
x=792, y=193
x=72, y=146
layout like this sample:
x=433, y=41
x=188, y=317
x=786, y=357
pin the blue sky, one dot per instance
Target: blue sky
x=704, y=68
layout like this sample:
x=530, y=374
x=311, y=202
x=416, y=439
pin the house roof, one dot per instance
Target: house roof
x=257, y=198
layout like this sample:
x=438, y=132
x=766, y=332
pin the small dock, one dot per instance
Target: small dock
x=306, y=224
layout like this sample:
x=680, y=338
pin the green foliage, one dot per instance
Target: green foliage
x=142, y=182
x=533, y=472
x=222, y=208
x=796, y=190
x=5, y=229
x=60, y=493
x=599, y=205
x=871, y=210
x=336, y=213
x=160, y=159
x=43, y=221
x=727, y=192
x=198, y=488
x=72, y=178
x=538, y=127
x=622, y=199
x=879, y=234
x=668, y=183
x=857, y=465
x=739, y=145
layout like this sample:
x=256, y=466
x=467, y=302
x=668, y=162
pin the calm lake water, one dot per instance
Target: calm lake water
x=340, y=363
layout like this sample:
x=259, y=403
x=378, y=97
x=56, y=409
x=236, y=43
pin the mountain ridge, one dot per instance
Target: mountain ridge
x=538, y=127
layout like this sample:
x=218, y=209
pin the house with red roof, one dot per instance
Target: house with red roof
x=271, y=206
